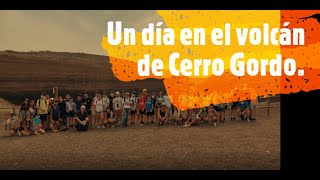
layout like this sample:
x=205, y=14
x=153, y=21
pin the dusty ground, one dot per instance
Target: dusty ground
x=234, y=145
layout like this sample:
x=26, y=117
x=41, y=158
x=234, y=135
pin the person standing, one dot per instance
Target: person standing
x=133, y=110
x=78, y=102
x=86, y=101
x=126, y=108
x=42, y=107
x=142, y=100
x=168, y=105
x=117, y=106
x=106, y=101
x=24, y=108
x=99, y=111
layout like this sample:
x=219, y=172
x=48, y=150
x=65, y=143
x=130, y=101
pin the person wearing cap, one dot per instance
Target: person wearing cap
x=133, y=111
x=95, y=96
x=12, y=124
x=162, y=114
x=106, y=100
x=117, y=107
x=24, y=108
x=126, y=101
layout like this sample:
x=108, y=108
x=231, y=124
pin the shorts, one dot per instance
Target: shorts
x=70, y=114
x=142, y=111
x=234, y=105
x=43, y=117
x=150, y=113
x=55, y=118
x=21, y=129
x=216, y=108
x=133, y=112
x=249, y=102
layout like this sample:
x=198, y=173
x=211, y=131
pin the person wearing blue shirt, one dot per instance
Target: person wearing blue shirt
x=78, y=102
x=150, y=111
x=243, y=110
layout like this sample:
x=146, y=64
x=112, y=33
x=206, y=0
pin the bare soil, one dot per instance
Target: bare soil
x=233, y=145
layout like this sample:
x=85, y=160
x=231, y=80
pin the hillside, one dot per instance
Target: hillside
x=28, y=73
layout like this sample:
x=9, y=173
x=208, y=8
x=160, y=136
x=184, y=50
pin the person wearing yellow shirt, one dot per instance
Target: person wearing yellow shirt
x=42, y=107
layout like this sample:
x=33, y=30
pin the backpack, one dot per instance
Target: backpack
x=69, y=107
x=38, y=101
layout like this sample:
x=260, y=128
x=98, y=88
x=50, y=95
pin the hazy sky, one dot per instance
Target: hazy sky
x=68, y=31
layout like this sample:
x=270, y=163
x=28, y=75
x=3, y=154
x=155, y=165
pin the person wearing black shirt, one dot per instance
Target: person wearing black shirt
x=82, y=119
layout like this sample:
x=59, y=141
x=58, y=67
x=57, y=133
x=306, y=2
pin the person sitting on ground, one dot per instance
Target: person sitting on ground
x=176, y=116
x=109, y=120
x=82, y=119
x=213, y=115
x=222, y=111
x=184, y=116
x=25, y=126
x=12, y=124
x=243, y=110
x=162, y=114
x=194, y=118
x=37, y=126
x=204, y=116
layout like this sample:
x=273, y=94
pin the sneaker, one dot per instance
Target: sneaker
x=19, y=133
x=185, y=125
x=141, y=125
x=252, y=119
x=103, y=127
x=248, y=120
x=215, y=124
x=98, y=127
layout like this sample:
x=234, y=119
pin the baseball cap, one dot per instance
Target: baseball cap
x=117, y=92
x=144, y=90
x=133, y=92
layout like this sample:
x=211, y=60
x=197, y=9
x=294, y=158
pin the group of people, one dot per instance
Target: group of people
x=115, y=109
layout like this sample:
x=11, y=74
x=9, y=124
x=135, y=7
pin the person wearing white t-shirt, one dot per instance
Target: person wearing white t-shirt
x=168, y=105
x=98, y=107
x=106, y=100
x=126, y=101
x=117, y=107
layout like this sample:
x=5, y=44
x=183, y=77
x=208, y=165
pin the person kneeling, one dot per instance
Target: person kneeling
x=243, y=110
x=82, y=119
